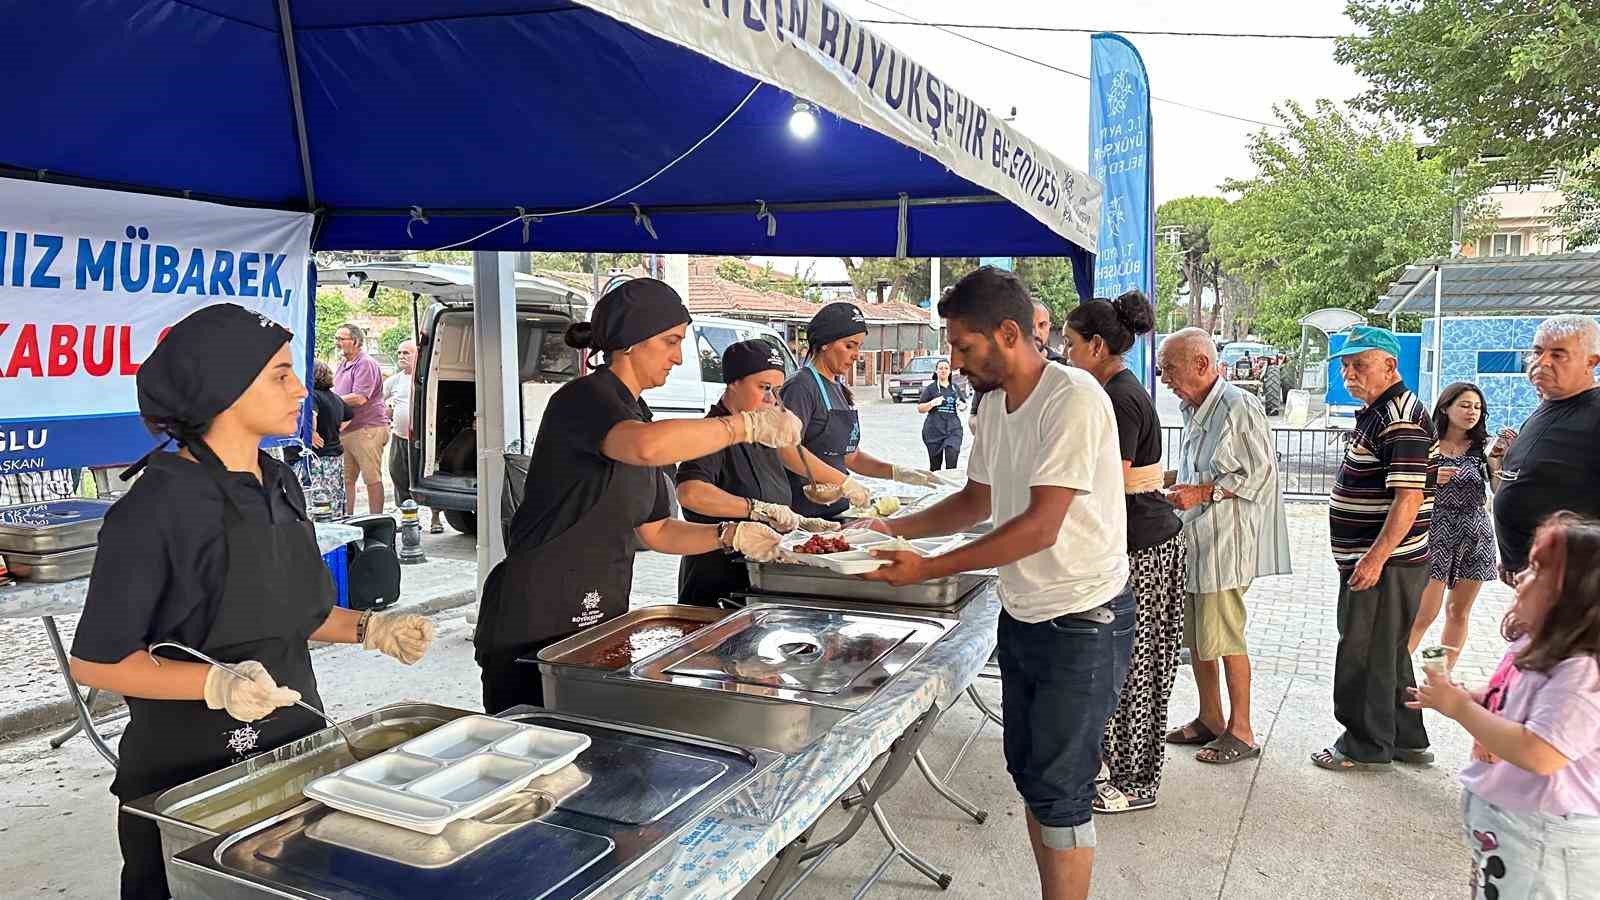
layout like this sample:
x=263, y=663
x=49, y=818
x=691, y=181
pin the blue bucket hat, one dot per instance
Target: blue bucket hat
x=1367, y=337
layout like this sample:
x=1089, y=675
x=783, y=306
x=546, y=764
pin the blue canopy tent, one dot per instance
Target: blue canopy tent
x=493, y=125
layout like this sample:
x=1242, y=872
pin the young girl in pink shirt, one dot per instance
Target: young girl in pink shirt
x=1531, y=804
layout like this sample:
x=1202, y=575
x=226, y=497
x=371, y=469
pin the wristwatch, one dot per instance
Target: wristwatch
x=1217, y=496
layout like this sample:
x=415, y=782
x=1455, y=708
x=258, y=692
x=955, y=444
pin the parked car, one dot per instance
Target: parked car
x=697, y=383
x=908, y=384
x=444, y=473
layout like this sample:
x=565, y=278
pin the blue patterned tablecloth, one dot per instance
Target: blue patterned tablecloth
x=729, y=848
x=30, y=600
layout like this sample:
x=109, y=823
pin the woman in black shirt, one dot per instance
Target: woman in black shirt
x=942, y=400
x=326, y=461
x=1098, y=332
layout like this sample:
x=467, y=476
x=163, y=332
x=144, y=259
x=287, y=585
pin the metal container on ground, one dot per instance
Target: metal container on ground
x=631, y=794
x=263, y=786
x=774, y=676
x=41, y=528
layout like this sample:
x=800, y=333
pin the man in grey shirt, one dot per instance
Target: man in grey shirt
x=1233, y=522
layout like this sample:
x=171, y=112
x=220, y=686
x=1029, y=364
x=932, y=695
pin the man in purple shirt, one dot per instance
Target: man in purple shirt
x=359, y=383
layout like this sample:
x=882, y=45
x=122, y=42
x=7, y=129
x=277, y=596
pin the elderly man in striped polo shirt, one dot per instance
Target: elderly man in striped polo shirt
x=1378, y=519
x=1234, y=526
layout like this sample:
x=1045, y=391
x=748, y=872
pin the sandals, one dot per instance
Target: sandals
x=1422, y=757
x=1226, y=750
x=1194, y=734
x=436, y=528
x=1109, y=801
x=1334, y=761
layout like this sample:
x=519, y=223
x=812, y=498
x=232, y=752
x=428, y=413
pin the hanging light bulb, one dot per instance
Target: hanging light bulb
x=802, y=122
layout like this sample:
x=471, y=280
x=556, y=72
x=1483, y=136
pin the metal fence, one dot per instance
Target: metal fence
x=1308, y=458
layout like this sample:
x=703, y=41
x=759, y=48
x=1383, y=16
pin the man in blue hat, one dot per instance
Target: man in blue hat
x=1378, y=518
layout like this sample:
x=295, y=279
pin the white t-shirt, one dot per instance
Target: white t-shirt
x=1063, y=435
x=397, y=396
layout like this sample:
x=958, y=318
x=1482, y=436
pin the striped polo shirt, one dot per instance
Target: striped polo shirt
x=1389, y=449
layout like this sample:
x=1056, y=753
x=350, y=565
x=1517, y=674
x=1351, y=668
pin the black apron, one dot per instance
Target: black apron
x=941, y=430
x=275, y=594
x=578, y=579
x=749, y=471
x=837, y=438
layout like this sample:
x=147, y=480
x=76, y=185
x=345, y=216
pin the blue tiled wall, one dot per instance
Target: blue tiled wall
x=1510, y=397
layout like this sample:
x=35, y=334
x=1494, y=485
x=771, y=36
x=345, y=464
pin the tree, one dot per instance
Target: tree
x=1198, y=264
x=1516, y=79
x=765, y=280
x=389, y=342
x=866, y=272
x=1169, y=276
x=1578, y=216
x=1049, y=279
x=333, y=310
x=1337, y=208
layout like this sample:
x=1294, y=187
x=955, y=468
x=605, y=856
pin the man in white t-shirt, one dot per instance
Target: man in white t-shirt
x=397, y=397
x=1047, y=466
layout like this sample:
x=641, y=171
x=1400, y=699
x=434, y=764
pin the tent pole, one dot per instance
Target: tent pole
x=1438, y=330
x=499, y=416
x=292, y=68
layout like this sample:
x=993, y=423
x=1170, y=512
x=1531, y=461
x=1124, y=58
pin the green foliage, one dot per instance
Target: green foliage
x=393, y=337
x=765, y=280
x=1049, y=279
x=866, y=272
x=332, y=311
x=1578, y=216
x=1169, y=276
x=1511, y=78
x=1336, y=209
x=1199, y=264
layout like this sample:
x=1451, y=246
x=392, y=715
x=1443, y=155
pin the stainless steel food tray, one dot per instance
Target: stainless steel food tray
x=451, y=773
x=51, y=527
x=809, y=581
x=775, y=676
x=63, y=565
x=249, y=792
x=584, y=648
x=589, y=844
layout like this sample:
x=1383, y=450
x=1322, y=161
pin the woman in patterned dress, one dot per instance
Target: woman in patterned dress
x=1098, y=333
x=1461, y=544
x=325, y=463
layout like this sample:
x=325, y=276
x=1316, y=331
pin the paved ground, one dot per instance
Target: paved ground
x=1272, y=828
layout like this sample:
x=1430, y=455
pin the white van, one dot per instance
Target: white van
x=444, y=461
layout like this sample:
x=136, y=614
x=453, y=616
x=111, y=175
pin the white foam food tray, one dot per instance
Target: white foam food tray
x=450, y=773
x=859, y=560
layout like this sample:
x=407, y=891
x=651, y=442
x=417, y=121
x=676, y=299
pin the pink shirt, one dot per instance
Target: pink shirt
x=1563, y=709
x=362, y=376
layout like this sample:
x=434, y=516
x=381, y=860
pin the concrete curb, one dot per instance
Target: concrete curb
x=58, y=714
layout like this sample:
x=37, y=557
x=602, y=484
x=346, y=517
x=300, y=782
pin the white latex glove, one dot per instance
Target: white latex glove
x=782, y=519
x=404, y=636
x=856, y=493
x=920, y=477
x=756, y=541
x=249, y=700
x=815, y=525
x=772, y=427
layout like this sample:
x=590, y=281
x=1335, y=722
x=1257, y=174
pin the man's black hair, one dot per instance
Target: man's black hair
x=986, y=297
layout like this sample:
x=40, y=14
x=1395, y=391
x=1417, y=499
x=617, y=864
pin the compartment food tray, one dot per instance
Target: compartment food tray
x=450, y=773
x=859, y=560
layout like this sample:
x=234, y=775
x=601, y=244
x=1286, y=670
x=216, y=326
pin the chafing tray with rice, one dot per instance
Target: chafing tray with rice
x=778, y=677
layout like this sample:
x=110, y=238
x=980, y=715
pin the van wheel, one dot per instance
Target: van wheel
x=462, y=521
x=895, y=396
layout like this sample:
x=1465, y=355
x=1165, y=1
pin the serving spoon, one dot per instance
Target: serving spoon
x=356, y=749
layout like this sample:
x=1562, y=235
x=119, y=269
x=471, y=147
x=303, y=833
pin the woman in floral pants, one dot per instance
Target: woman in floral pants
x=1098, y=332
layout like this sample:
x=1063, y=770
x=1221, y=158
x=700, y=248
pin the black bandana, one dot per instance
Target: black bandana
x=204, y=364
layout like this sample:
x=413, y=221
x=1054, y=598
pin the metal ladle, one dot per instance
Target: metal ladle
x=356, y=750
x=814, y=490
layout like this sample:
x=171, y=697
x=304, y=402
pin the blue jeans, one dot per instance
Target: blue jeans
x=1060, y=680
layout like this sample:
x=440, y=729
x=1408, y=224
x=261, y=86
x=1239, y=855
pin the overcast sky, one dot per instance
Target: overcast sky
x=1192, y=152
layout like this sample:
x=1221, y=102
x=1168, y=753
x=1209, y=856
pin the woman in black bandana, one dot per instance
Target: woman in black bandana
x=212, y=548
x=596, y=491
